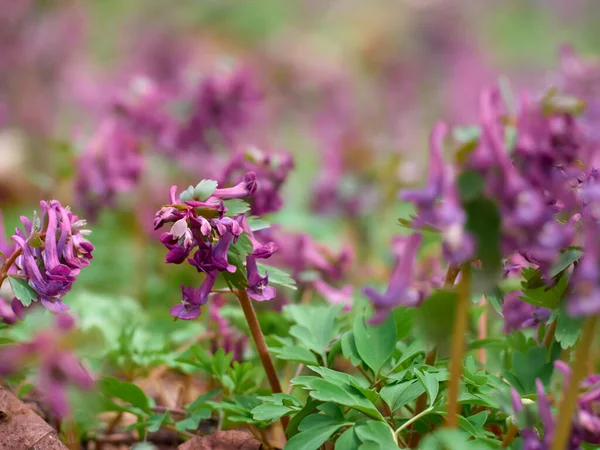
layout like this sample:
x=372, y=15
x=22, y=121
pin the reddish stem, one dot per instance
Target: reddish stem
x=261, y=346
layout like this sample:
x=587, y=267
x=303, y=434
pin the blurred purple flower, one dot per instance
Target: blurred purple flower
x=57, y=367
x=519, y=314
x=271, y=170
x=586, y=421
x=111, y=164
x=400, y=291
x=333, y=295
x=222, y=107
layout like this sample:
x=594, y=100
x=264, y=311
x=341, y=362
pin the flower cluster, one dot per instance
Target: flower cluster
x=112, y=163
x=315, y=265
x=143, y=115
x=202, y=234
x=223, y=105
x=535, y=166
x=271, y=169
x=57, y=366
x=586, y=423
x=53, y=250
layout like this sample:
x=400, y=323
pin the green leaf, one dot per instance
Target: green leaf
x=349, y=349
x=192, y=422
x=478, y=420
x=375, y=344
x=257, y=223
x=235, y=207
x=296, y=353
x=398, y=395
x=405, y=318
x=483, y=222
x=187, y=195
x=277, y=276
x=377, y=433
x=541, y=295
x=310, y=408
x=156, y=421
x=431, y=384
x=467, y=426
x=567, y=329
x=496, y=299
x=470, y=185
x=445, y=439
x=315, y=430
x=527, y=367
x=202, y=399
x=204, y=189
x=566, y=258
x=348, y=440
x=22, y=290
x=123, y=390
x=315, y=326
x=343, y=394
x=270, y=412
x=435, y=316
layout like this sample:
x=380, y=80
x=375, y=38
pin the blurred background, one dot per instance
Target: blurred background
x=105, y=104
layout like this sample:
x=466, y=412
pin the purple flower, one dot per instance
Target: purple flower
x=586, y=421
x=400, y=291
x=223, y=106
x=110, y=164
x=426, y=199
x=271, y=170
x=52, y=253
x=519, y=314
x=333, y=295
x=438, y=204
x=245, y=188
x=57, y=367
x=258, y=286
x=193, y=299
x=585, y=296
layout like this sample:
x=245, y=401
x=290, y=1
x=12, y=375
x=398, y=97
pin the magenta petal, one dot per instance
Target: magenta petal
x=54, y=306
x=182, y=313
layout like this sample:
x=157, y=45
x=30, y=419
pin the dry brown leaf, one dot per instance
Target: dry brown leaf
x=223, y=440
x=22, y=429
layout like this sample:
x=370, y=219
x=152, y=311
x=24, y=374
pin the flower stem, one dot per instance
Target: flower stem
x=549, y=337
x=431, y=356
x=261, y=346
x=413, y=419
x=458, y=344
x=578, y=371
x=510, y=436
x=7, y=264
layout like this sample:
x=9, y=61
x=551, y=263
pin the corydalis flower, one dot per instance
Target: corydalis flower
x=400, y=291
x=438, y=205
x=193, y=299
x=57, y=366
x=53, y=251
x=201, y=234
x=222, y=107
x=258, y=286
x=585, y=423
x=110, y=164
x=271, y=169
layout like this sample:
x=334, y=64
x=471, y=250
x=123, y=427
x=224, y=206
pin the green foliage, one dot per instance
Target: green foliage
x=537, y=293
x=375, y=344
x=22, y=290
